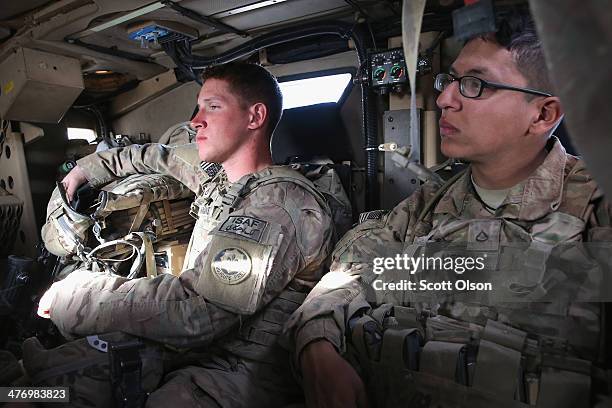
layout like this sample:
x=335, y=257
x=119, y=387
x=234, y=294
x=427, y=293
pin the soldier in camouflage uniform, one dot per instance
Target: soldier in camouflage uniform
x=521, y=187
x=260, y=242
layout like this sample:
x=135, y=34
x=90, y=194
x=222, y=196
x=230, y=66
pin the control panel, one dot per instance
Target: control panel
x=388, y=70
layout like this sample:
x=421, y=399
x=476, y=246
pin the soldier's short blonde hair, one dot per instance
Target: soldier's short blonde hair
x=252, y=83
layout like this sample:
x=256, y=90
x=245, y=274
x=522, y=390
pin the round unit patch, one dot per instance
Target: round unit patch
x=231, y=265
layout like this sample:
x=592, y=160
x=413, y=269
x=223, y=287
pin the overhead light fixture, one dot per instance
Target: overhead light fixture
x=250, y=7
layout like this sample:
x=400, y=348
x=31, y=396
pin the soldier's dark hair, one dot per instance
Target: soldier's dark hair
x=517, y=33
x=253, y=84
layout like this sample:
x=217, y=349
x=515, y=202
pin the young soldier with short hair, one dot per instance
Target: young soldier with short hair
x=259, y=244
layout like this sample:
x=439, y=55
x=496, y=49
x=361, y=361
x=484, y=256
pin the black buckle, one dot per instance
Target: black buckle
x=194, y=210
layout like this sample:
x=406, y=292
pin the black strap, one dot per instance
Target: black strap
x=126, y=374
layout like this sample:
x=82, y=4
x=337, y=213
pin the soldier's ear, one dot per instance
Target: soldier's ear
x=549, y=115
x=258, y=114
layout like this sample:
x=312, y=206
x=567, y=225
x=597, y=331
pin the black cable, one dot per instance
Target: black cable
x=177, y=50
x=100, y=122
x=429, y=51
x=5, y=125
x=209, y=21
x=109, y=51
x=357, y=7
x=365, y=15
x=392, y=7
x=267, y=40
x=369, y=126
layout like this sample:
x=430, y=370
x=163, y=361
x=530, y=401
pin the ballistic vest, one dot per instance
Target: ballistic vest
x=483, y=355
x=257, y=339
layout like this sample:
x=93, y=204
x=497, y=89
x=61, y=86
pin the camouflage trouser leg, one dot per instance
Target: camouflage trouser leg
x=11, y=372
x=85, y=370
x=227, y=383
x=180, y=391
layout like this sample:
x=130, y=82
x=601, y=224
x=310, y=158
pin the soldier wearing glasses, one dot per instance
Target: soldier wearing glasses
x=498, y=112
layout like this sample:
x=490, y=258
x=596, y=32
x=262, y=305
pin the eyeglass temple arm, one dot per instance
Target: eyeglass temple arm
x=513, y=88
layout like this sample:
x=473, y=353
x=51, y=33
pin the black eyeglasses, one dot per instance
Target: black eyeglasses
x=472, y=87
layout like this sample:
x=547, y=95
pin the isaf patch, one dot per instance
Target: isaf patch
x=244, y=226
x=231, y=265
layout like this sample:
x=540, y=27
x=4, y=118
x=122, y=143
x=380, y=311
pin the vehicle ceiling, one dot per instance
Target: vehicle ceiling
x=73, y=27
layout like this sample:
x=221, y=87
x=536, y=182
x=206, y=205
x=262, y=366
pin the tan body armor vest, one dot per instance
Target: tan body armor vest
x=258, y=334
x=478, y=355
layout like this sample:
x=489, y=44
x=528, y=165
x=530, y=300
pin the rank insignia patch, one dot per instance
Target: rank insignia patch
x=246, y=227
x=231, y=265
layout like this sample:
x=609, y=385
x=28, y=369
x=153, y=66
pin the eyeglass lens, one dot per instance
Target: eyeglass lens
x=469, y=87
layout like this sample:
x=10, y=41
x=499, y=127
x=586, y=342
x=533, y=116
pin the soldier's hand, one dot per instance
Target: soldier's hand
x=63, y=287
x=44, y=305
x=329, y=380
x=73, y=180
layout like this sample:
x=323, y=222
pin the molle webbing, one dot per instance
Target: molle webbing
x=258, y=335
x=483, y=367
x=272, y=175
x=499, y=359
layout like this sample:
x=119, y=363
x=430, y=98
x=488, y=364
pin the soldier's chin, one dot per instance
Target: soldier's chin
x=452, y=149
x=206, y=156
x=449, y=148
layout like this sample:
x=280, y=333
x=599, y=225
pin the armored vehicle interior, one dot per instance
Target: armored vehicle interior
x=81, y=75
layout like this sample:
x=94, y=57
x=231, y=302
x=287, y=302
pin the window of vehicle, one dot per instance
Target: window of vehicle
x=311, y=91
x=81, y=133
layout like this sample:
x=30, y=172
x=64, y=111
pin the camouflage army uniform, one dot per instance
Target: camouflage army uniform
x=254, y=254
x=559, y=202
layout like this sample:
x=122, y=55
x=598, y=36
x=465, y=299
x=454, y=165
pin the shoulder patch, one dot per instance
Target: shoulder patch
x=372, y=215
x=244, y=226
x=231, y=265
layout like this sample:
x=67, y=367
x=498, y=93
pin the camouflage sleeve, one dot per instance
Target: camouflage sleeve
x=600, y=220
x=238, y=273
x=180, y=162
x=342, y=292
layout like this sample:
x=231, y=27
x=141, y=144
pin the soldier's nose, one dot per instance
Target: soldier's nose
x=448, y=98
x=197, y=122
